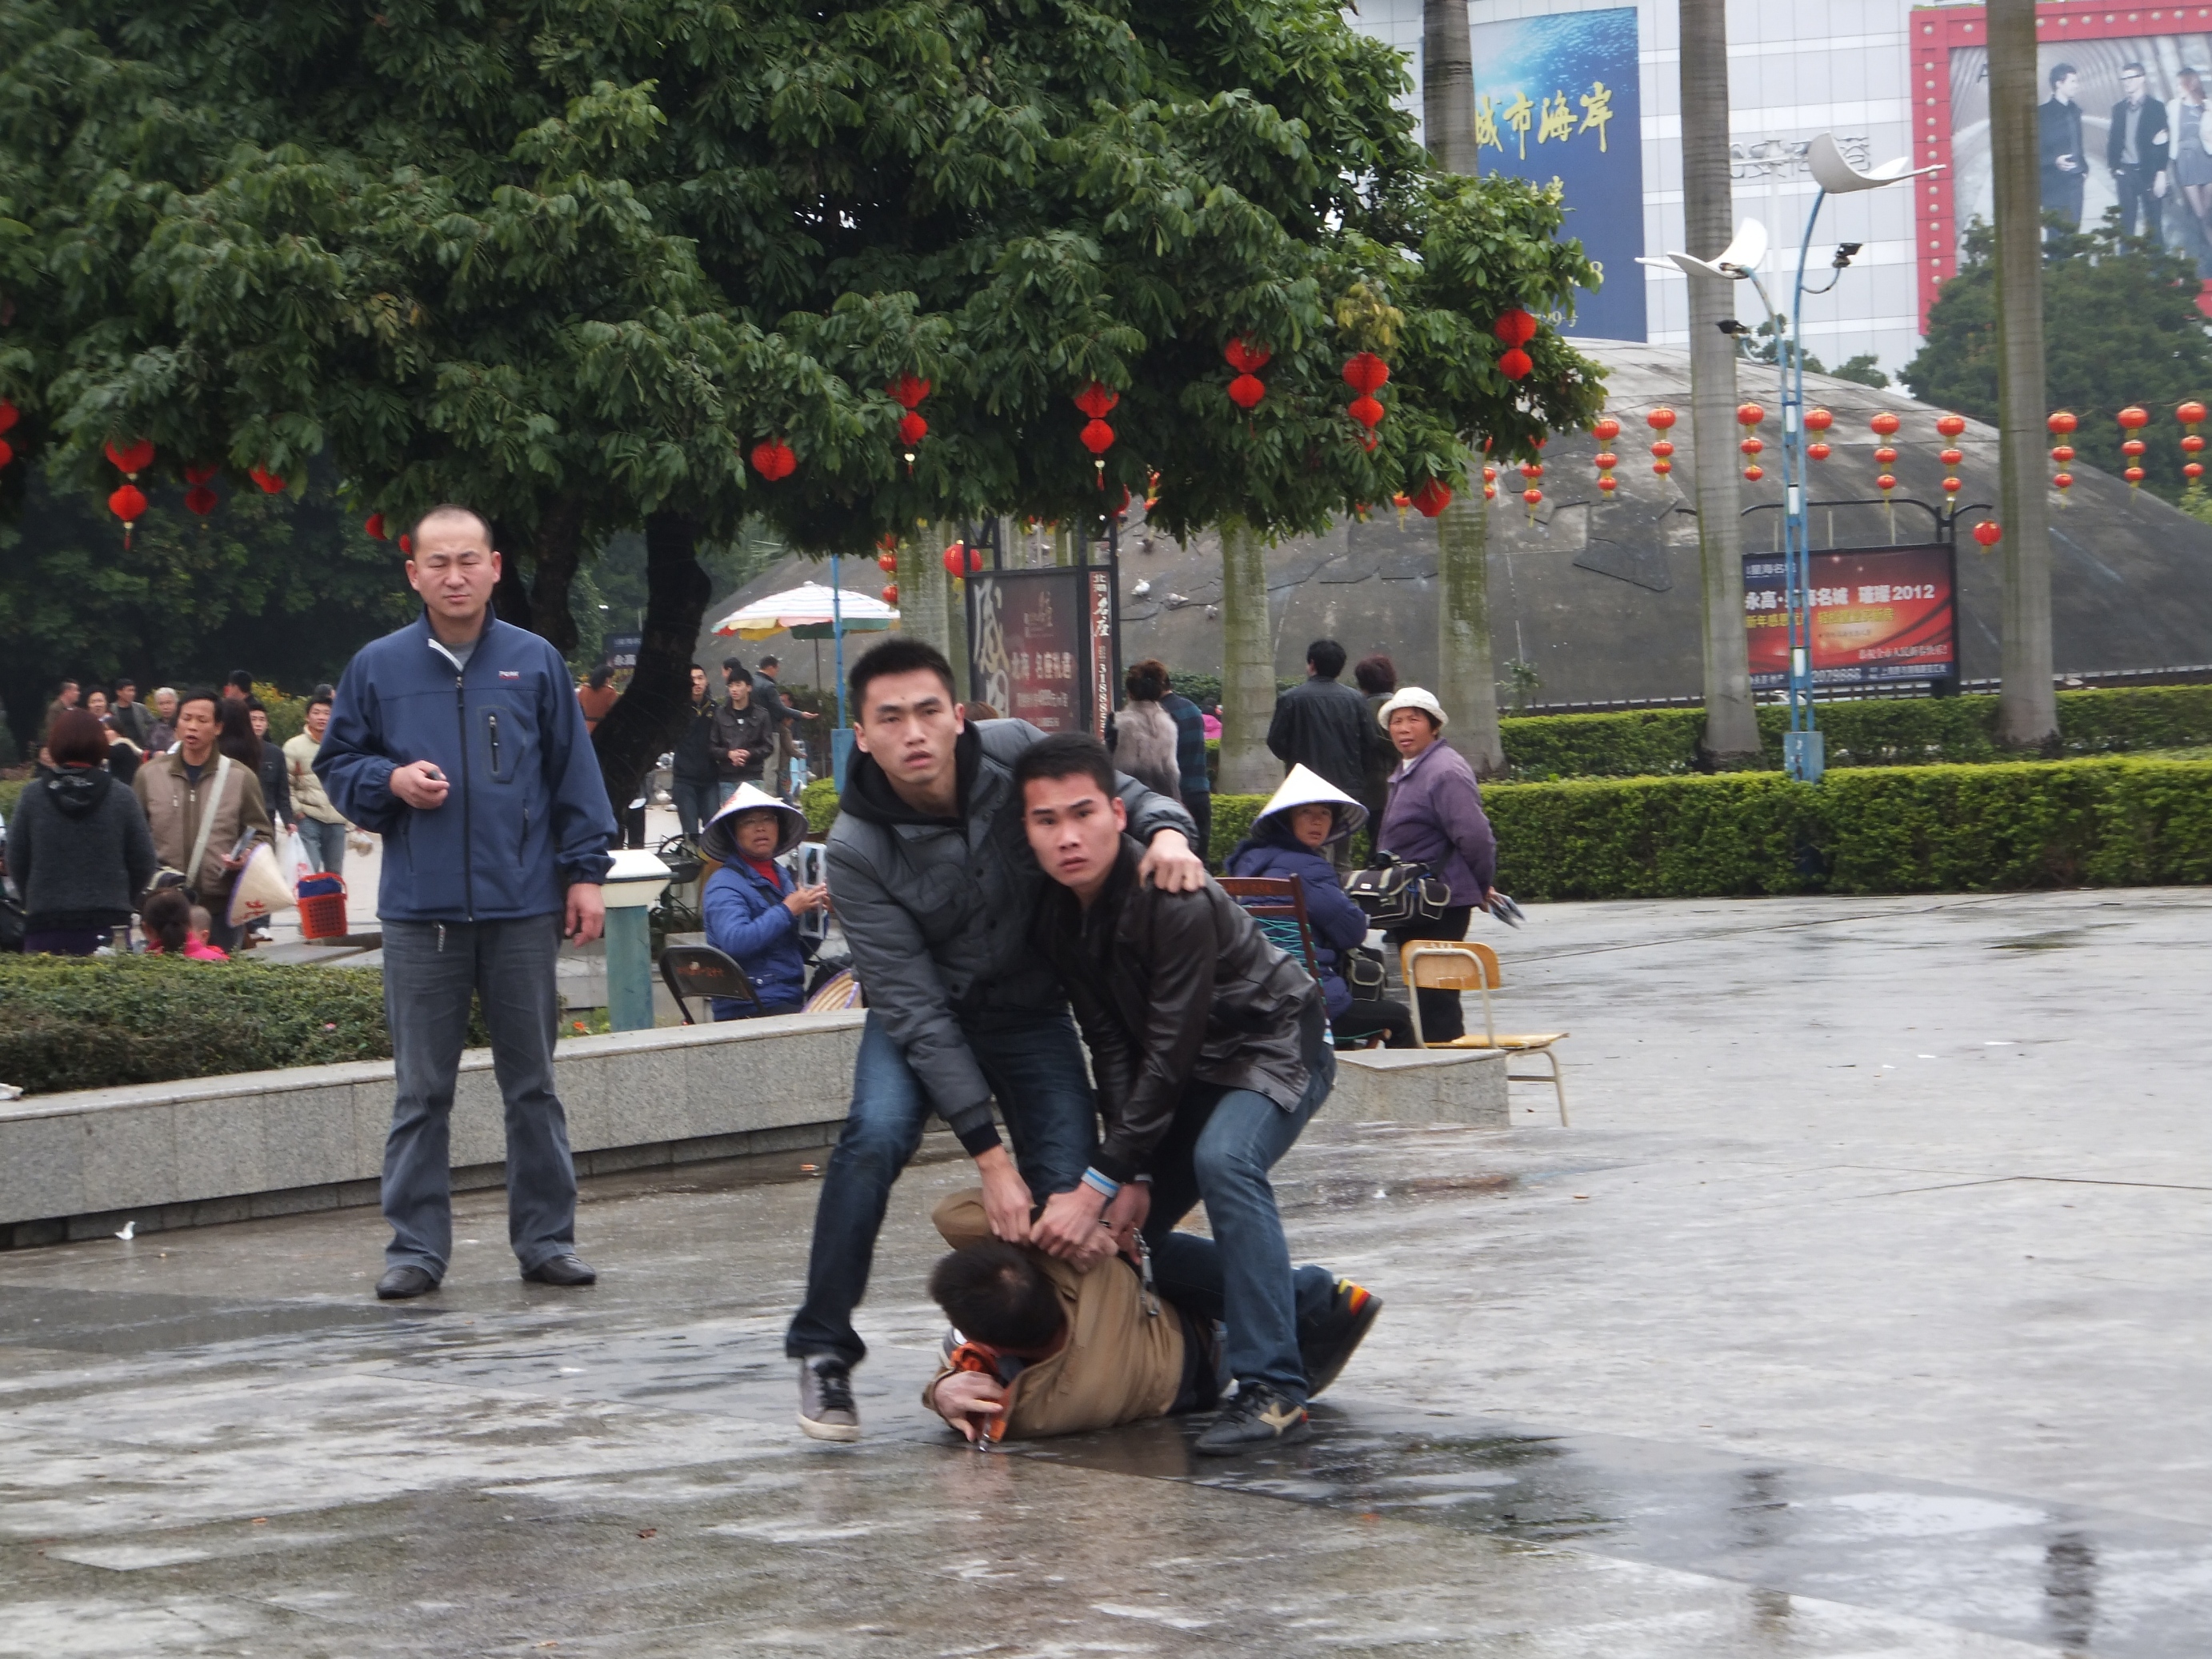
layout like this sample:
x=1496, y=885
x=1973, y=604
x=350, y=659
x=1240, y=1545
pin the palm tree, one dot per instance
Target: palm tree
x=1709, y=221
x=2027, y=706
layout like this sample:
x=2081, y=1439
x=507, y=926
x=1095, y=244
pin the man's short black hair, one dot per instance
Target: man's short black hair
x=1326, y=657
x=732, y=666
x=898, y=655
x=206, y=694
x=996, y=1294
x=455, y=510
x=253, y=702
x=240, y=677
x=2135, y=69
x=322, y=697
x=122, y=680
x=1066, y=755
x=2059, y=72
x=771, y=662
x=598, y=679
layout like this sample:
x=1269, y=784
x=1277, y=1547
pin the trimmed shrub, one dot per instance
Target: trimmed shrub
x=11, y=793
x=819, y=801
x=1918, y=732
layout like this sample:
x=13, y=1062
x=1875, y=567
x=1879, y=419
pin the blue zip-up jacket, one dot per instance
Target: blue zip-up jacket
x=748, y=919
x=527, y=814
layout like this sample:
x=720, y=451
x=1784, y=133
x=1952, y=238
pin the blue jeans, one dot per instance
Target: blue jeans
x=1034, y=1066
x=1219, y=1148
x=323, y=844
x=696, y=801
x=429, y=970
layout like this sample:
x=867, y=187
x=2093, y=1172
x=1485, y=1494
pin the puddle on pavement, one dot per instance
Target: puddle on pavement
x=149, y=1321
x=2129, y=1587
x=1345, y=1192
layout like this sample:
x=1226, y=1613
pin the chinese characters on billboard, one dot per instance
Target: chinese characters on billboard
x=1556, y=97
x=1879, y=614
x=1029, y=657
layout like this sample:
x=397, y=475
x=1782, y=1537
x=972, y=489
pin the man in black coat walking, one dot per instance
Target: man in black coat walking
x=1325, y=726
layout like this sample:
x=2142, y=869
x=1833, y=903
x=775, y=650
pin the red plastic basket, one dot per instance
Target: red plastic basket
x=322, y=907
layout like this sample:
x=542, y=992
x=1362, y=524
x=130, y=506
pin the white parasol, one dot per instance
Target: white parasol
x=809, y=612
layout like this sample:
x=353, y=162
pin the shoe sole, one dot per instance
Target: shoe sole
x=1303, y=1429
x=562, y=1284
x=1365, y=1323
x=842, y=1433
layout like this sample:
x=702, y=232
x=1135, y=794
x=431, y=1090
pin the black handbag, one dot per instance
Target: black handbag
x=1394, y=892
x=1362, y=967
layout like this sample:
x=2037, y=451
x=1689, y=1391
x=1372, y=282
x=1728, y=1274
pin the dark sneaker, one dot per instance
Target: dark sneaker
x=569, y=1269
x=1257, y=1418
x=399, y=1283
x=1329, y=1345
x=826, y=1410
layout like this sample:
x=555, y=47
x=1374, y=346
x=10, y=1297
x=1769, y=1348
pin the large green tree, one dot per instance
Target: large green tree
x=2120, y=327
x=570, y=262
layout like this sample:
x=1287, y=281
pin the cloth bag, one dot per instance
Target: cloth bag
x=260, y=889
x=1396, y=891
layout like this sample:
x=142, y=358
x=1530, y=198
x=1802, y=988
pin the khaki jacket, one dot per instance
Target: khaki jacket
x=173, y=809
x=1120, y=1365
x=308, y=797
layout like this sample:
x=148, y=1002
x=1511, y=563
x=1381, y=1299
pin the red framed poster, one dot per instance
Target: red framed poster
x=2106, y=133
x=1879, y=614
x=1028, y=650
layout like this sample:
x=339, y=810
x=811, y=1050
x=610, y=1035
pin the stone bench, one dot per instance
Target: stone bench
x=217, y=1148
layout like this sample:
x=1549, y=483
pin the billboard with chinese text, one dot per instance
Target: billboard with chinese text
x=1879, y=614
x=1028, y=629
x=1556, y=97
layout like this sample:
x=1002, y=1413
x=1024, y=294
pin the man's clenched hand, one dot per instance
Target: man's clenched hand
x=1171, y=866
x=1007, y=1199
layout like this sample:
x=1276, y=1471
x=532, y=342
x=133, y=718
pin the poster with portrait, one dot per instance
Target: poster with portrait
x=1878, y=615
x=1556, y=97
x=2124, y=121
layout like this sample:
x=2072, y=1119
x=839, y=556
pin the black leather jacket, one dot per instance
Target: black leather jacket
x=1173, y=988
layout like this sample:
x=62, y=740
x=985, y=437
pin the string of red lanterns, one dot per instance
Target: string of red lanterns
x=908, y=392
x=1516, y=329
x=1950, y=427
x=1660, y=419
x=1097, y=402
x=2133, y=419
x=2192, y=416
x=1605, y=432
x=1818, y=420
x=199, y=500
x=1248, y=360
x=1367, y=374
x=9, y=415
x=2062, y=425
x=1884, y=426
x=1748, y=416
x=127, y=501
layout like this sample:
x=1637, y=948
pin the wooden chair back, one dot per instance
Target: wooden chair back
x=701, y=970
x=1278, y=903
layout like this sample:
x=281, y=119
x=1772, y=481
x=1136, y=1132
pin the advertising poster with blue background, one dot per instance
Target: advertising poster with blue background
x=1556, y=98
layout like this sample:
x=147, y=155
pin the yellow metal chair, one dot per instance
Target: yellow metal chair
x=1436, y=965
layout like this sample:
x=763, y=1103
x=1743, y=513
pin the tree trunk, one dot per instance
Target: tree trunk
x=1709, y=222
x=2028, y=705
x=1469, y=685
x=1448, y=85
x=645, y=720
x=921, y=585
x=1465, y=688
x=537, y=572
x=1247, y=665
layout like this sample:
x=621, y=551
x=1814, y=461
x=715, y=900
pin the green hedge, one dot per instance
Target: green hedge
x=11, y=793
x=1896, y=830
x=1915, y=732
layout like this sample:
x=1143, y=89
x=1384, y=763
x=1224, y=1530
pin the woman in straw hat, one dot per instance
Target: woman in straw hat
x=1290, y=837
x=1434, y=817
x=752, y=907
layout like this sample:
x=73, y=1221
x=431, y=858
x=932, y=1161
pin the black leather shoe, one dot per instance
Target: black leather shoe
x=562, y=1270
x=401, y=1283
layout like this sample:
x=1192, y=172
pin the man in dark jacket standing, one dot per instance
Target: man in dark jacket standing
x=1210, y=1053
x=458, y=740
x=2135, y=149
x=693, y=779
x=934, y=883
x=1324, y=726
x=742, y=736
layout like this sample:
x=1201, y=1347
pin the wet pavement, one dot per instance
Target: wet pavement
x=1862, y=1311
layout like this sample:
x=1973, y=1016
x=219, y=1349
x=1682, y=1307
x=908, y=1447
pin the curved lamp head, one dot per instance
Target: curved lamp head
x=1838, y=177
x=1733, y=262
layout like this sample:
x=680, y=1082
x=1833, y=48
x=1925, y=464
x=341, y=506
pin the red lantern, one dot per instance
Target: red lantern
x=128, y=504
x=2063, y=454
x=906, y=391
x=1607, y=483
x=1247, y=389
x=1516, y=364
x=1754, y=474
x=7, y=452
x=1660, y=418
x=1885, y=483
x=2133, y=446
x=1885, y=456
x=2193, y=443
x=1606, y=460
x=202, y=472
x=1950, y=425
x=1515, y=328
x=1534, y=497
x=888, y=563
x=1988, y=533
x=1818, y=420
x=2192, y=470
x=1952, y=457
x=1663, y=466
x=1749, y=414
x=1664, y=448
x=1951, y=492
x=1366, y=374
x=2062, y=422
x=1245, y=356
x=1885, y=424
x=374, y=526
x=1431, y=498
x=2134, y=475
x=201, y=501
x=774, y=460
x=1532, y=469
x=890, y=594
x=1401, y=500
x=2134, y=416
x=132, y=461
x=406, y=545
x=1753, y=445
x=1366, y=410
x=1818, y=452
x=2062, y=483
x=962, y=560
x=2191, y=413
x=1605, y=430
x=1096, y=400
x=269, y=482
x=912, y=430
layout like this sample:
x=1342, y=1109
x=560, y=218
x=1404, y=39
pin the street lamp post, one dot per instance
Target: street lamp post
x=1802, y=745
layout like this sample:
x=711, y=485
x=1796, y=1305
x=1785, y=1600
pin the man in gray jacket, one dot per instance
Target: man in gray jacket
x=934, y=884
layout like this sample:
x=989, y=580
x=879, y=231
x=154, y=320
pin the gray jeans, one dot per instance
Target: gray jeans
x=429, y=970
x=323, y=844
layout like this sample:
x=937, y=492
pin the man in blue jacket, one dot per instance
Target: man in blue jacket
x=458, y=740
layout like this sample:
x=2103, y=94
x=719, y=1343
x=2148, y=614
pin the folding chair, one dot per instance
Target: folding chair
x=1278, y=903
x=1437, y=965
x=701, y=970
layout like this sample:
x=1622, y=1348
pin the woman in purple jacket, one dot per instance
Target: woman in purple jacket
x=1434, y=817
